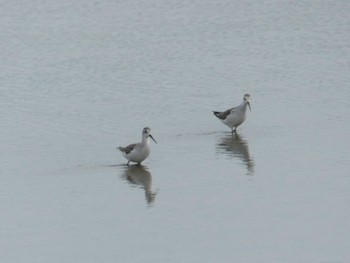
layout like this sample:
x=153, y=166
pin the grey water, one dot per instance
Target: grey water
x=79, y=78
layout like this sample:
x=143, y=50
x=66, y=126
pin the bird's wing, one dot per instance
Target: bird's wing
x=128, y=148
x=222, y=115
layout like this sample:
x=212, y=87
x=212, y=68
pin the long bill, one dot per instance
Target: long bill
x=249, y=106
x=152, y=138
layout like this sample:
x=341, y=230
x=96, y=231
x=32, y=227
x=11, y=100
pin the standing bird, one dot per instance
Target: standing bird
x=138, y=152
x=235, y=116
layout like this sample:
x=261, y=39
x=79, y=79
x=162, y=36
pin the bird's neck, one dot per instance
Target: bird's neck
x=243, y=106
x=145, y=140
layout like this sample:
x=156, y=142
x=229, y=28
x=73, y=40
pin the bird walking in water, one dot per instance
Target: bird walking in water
x=235, y=116
x=138, y=152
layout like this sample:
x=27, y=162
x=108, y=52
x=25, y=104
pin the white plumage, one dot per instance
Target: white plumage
x=138, y=152
x=235, y=116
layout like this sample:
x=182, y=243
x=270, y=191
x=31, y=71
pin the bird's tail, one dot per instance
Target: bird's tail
x=216, y=113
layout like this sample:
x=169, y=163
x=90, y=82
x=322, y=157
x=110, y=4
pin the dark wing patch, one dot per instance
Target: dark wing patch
x=128, y=148
x=222, y=115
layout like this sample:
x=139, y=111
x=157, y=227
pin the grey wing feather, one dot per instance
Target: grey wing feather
x=222, y=115
x=128, y=148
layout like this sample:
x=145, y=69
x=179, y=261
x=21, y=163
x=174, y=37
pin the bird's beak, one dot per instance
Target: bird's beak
x=152, y=138
x=249, y=106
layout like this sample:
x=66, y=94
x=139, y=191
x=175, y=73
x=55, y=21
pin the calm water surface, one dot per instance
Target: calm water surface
x=80, y=78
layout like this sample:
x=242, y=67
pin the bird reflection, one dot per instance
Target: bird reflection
x=139, y=175
x=236, y=146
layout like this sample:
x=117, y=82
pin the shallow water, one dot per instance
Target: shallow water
x=80, y=78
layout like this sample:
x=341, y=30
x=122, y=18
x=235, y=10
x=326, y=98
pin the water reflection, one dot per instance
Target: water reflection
x=236, y=146
x=139, y=175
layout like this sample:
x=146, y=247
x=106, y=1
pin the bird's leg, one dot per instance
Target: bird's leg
x=233, y=130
